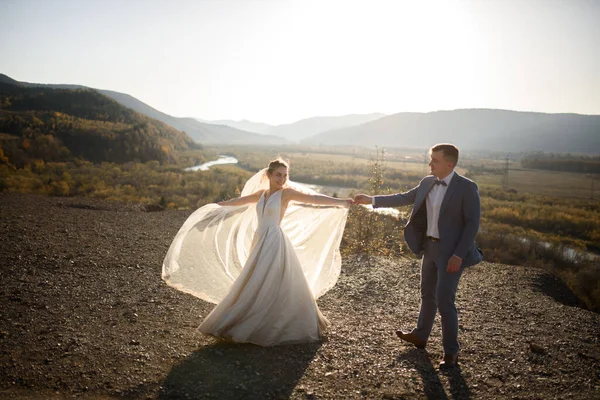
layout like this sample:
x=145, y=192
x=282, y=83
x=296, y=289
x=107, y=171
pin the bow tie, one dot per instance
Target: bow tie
x=440, y=182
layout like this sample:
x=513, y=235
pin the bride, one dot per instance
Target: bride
x=264, y=257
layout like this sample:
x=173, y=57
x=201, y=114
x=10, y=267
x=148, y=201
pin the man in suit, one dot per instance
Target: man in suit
x=442, y=227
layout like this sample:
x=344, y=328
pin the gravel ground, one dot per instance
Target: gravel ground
x=84, y=314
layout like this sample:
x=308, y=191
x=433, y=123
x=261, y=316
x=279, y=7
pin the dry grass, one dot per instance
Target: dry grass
x=544, y=183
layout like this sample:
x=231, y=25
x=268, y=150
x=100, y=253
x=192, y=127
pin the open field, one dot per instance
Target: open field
x=411, y=162
x=544, y=183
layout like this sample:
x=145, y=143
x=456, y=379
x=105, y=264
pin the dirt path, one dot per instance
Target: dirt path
x=84, y=313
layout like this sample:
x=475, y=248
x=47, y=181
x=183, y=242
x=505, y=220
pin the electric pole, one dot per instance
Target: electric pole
x=505, y=178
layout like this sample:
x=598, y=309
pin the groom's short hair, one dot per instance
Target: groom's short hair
x=450, y=151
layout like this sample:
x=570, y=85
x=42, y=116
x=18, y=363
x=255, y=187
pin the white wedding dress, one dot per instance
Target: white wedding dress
x=264, y=271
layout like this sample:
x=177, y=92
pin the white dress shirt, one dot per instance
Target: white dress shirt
x=434, y=202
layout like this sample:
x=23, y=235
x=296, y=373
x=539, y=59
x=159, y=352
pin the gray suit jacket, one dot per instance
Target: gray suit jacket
x=458, y=221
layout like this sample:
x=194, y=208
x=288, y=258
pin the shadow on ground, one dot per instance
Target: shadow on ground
x=239, y=371
x=553, y=286
x=430, y=376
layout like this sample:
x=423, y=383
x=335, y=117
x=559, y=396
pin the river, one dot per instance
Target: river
x=221, y=160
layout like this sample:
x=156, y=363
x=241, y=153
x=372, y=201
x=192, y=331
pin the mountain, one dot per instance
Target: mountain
x=40, y=123
x=244, y=125
x=201, y=132
x=205, y=133
x=474, y=129
x=302, y=129
x=306, y=128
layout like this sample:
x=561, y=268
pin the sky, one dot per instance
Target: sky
x=280, y=61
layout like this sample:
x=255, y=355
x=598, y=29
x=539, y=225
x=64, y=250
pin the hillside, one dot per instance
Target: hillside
x=85, y=314
x=476, y=129
x=42, y=123
x=201, y=132
x=205, y=133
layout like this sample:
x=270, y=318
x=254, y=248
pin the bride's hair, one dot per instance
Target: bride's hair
x=276, y=163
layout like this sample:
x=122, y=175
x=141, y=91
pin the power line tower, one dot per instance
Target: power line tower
x=505, y=177
x=591, y=177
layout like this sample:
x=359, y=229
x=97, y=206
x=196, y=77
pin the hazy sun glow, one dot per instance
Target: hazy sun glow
x=283, y=60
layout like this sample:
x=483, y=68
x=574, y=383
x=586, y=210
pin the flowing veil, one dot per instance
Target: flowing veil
x=212, y=246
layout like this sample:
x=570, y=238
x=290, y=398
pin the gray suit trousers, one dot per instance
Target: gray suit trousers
x=438, y=291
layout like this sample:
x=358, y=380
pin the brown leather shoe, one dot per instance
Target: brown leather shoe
x=449, y=361
x=410, y=338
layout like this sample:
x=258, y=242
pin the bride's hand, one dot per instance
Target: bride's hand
x=348, y=202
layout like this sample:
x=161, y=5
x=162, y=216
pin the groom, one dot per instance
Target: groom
x=442, y=227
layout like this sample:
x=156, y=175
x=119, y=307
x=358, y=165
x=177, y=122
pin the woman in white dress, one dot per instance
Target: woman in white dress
x=263, y=257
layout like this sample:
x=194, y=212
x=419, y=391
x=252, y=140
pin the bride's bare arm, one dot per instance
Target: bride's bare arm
x=240, y=201
x=321, y=199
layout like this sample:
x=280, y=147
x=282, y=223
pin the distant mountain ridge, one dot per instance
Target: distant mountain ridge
x=300, y=130
x=474, y=129
x=201, y=132
x=244, y=125
x=306, y=128
x=470, y=129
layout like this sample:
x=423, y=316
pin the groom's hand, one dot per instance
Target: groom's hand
x=454, y=264
x=362, y=199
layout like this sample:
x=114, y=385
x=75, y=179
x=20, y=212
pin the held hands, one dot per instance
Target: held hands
x=362, y=199
x=348, y=202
